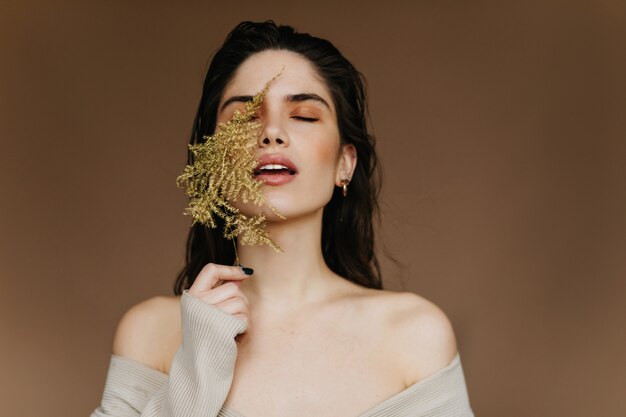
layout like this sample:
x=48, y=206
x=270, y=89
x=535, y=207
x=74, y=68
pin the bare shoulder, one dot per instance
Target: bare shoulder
x=419, y=333
x=150, y=332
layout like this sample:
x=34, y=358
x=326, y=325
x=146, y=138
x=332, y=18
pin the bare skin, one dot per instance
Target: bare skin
x=316, y=344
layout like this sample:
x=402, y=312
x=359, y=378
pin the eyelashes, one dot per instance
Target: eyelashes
x=300, y=118
x=305, y=119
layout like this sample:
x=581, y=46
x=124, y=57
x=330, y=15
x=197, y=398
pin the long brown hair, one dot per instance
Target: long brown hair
x=347, y=223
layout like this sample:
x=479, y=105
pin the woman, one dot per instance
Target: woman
x=311, y=330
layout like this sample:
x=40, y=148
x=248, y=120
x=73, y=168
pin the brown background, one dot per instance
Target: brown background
x=501, y=132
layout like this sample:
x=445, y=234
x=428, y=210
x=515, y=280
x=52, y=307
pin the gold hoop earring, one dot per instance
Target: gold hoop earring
x=344, y=184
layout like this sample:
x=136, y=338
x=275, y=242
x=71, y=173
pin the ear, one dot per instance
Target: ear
x=346, y=163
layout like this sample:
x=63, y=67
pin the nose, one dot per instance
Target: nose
x=267, y=141
x=273, y=133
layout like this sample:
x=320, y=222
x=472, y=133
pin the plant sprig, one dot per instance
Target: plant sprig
x=222, y=173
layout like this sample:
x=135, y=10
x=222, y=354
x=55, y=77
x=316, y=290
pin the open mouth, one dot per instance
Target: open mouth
x=274, y=169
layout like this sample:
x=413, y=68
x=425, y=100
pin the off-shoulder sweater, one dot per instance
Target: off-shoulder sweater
x=202, y=372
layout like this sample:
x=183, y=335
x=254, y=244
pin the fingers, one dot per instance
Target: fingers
x=218, y=285
x=211, y=275
x=224, y=292
x=236, y=307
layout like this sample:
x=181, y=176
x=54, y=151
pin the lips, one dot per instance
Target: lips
x=275, y=169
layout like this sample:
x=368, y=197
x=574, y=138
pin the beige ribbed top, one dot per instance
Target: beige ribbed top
x=202, y=371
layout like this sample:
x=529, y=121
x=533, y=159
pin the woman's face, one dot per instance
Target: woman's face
x=299, y=133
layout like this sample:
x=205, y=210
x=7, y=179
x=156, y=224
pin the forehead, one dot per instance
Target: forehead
x=297, y=76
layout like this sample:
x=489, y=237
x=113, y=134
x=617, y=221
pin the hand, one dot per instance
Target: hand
x=219, y=285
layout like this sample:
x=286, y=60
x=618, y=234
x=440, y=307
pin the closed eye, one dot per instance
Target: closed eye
x=305, y=119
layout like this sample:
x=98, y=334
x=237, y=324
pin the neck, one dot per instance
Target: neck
x=291, y=278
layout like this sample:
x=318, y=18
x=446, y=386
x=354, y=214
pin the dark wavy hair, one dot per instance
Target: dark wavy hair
x=347, y=223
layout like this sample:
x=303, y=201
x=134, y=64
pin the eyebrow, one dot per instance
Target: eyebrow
x=296, y=98
x=236, y=99
x=290, y=98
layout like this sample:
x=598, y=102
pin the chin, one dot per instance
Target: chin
x=288, y=205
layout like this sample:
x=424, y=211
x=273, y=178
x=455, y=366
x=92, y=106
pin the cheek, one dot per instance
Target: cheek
x=324, y=152
x=322, y=159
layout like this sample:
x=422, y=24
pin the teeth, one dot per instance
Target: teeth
x=272, y=166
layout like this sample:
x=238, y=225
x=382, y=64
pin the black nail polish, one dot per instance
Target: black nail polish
x=247, y=271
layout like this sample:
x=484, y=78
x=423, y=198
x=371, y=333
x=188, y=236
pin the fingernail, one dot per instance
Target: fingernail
x=247, y=271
